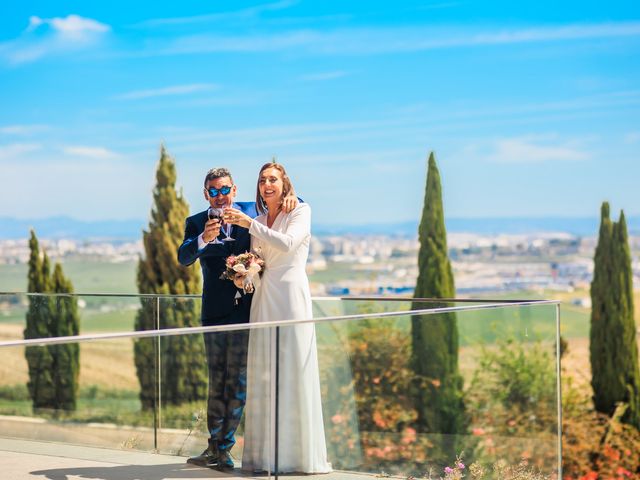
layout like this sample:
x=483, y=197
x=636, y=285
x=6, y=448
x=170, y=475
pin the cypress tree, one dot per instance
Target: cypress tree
x=53, y=370
x=183, y=359
x=613, y=346
x=435, y=337
x=39, y=360
x=66, y=357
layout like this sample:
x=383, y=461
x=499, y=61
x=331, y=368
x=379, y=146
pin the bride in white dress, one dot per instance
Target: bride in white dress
x=282, y=293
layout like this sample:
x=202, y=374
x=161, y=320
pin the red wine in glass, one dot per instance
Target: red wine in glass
x=214, y=214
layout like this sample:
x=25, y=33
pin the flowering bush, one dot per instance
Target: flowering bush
x=594, y=445
x=381, y=379
x=512, y=399
x=500, y=470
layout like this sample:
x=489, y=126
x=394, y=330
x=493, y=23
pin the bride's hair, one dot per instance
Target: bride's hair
x=287, y=187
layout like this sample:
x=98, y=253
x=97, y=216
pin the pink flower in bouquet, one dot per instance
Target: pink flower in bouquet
x=241, y=269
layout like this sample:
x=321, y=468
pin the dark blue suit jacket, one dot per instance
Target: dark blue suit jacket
x=219, y=305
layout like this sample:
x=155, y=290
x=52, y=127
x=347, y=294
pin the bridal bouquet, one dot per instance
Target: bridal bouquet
x=241, y=269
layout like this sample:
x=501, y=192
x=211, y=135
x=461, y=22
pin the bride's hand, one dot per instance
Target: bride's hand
x=238, y=281
x=236, y=217
x=289, y=203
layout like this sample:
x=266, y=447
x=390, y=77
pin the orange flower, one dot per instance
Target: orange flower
x=408, y=436
x=337, y=418
x=590, y=476
x=478, y=431
x=611, y=453
x=378, y=420
x=623, y=471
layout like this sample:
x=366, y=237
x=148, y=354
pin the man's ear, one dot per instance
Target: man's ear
x=206, y=195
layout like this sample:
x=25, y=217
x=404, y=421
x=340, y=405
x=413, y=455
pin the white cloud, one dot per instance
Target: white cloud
x=167, y=91
x=15, y=150
x=97, y=153
x=22, y=129
x=323, y=76
x=533, y=150
x=244, y=13
x=632, y=137
x=52, y=36
x=363, y=41
x=76, y=27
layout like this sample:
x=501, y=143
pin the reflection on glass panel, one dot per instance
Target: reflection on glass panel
x=511, y=383
x=101, y=409
x=396, y=400
x=108, y=313
x=328, y=307
x=13, y=310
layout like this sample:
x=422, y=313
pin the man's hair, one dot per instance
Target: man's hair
x=217, y=173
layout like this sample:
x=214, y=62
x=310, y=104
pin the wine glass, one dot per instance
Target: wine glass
x=226, y=229
x=215, y=214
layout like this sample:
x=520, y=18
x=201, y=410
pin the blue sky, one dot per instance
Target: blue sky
x=532, y=109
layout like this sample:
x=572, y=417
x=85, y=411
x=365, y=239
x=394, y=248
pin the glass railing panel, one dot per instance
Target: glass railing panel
x=383, y=382
x=509, y=365
x=13, y=311
x=75, y=393
x=109, y=313
x=217, y=392
x=397, y=402
x=205, y=378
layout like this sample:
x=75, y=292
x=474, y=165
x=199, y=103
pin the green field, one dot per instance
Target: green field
x=111, y=314
x=88, y=276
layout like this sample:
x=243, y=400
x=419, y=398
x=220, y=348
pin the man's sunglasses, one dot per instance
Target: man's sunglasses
x=213, y=192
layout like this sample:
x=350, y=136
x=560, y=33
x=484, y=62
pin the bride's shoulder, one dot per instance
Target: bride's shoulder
x=302, y=210
x=302, y=207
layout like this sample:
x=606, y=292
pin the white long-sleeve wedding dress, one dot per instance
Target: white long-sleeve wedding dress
x=283, y=294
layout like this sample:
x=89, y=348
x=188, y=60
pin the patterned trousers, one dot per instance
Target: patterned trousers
x=227, y=361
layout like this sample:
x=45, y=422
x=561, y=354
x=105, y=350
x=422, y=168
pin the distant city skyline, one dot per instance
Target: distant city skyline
x=59, y=227
x=532, y=110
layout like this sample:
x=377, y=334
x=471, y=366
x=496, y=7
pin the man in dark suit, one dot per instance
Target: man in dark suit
x=222, y=304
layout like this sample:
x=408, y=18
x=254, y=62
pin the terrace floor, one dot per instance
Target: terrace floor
x=28, y=460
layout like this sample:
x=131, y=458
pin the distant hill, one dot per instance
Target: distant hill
x=121, y=230
x=65, y=227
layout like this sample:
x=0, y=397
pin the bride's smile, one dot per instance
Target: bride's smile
x=271, y=185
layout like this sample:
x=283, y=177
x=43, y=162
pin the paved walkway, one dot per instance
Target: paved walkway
x=29, y=460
